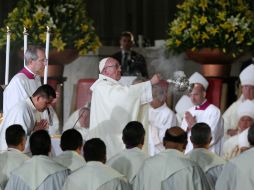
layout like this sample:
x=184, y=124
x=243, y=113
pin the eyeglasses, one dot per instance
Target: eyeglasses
x=115, y=65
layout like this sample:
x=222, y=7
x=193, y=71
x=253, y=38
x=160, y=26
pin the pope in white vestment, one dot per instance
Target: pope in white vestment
x=170, y=169
x=114, y=105
x=38, y=173
x=128, y=162
x=71, y=160
x=96, y=176
x=210, y=163
x=238, y=173
x=10, y=160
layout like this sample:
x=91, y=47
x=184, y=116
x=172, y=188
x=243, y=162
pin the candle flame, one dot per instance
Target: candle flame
x=25, y=31
x=8, y=29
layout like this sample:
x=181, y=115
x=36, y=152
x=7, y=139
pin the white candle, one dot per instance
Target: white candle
x=7, y=58
x=25, y=43
x=47, y=56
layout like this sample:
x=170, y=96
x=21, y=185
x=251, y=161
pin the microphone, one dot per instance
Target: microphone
x=181, y=82
x=81, y=111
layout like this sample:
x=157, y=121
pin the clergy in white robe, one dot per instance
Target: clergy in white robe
x=79, y=120
x=245, y=114
x=95, y=174
x=205, y=112
x=71, y=144
x=210, y=163
x=114, y=105
x=26, y=82
x=129, y=161
x=238, y=172
x=171, y=169
x=39, y=172
x=182, y=105
x=160, y=119
x=230, y=115
x=13, y=157
x=24, y=113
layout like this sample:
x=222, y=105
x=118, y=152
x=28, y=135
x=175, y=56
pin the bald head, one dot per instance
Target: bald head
x=175, y=138
x=198, y=94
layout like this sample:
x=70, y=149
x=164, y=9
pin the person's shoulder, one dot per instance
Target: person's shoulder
x=117, y=56
x=213, y=108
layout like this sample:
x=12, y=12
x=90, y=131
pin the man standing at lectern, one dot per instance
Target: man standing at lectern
x=114, y=105
x=132, y=63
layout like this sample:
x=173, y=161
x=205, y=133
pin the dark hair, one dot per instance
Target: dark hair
x=180, y=138
x=14, y=135
x=94, y=150
x=40, y=143
x=200, y=134
x=45, y=91
x=127, y=34
x=31, y=53
x=71, y=139
x=133, y=134
x=251, y=135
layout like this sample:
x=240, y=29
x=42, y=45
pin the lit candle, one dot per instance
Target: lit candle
x=47, y=56
x=7, y=58
x=25, y=43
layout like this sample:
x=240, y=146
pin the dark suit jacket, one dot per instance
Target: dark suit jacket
x=135, y=66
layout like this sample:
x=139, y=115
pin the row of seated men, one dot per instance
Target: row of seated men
x=200, y=169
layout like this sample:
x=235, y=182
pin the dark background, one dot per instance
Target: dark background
x=148, y=18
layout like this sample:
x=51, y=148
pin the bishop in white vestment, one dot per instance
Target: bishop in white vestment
x=245, y=114
x=205, y=112
x=114, y=105
x=247, y=86
x=238, y=172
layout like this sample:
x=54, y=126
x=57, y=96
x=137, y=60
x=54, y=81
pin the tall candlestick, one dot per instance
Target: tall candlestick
x=47, y=56
x=7, y=58
x=25, y=43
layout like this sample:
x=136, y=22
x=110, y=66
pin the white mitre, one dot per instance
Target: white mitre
x=246, y=109
x=198, y=78
x=247, y=75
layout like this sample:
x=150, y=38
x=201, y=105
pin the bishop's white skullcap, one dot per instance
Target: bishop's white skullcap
x=198, y=78
x=247, y=75
x=246, y=109
x=102, y=63
x=183, y=104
